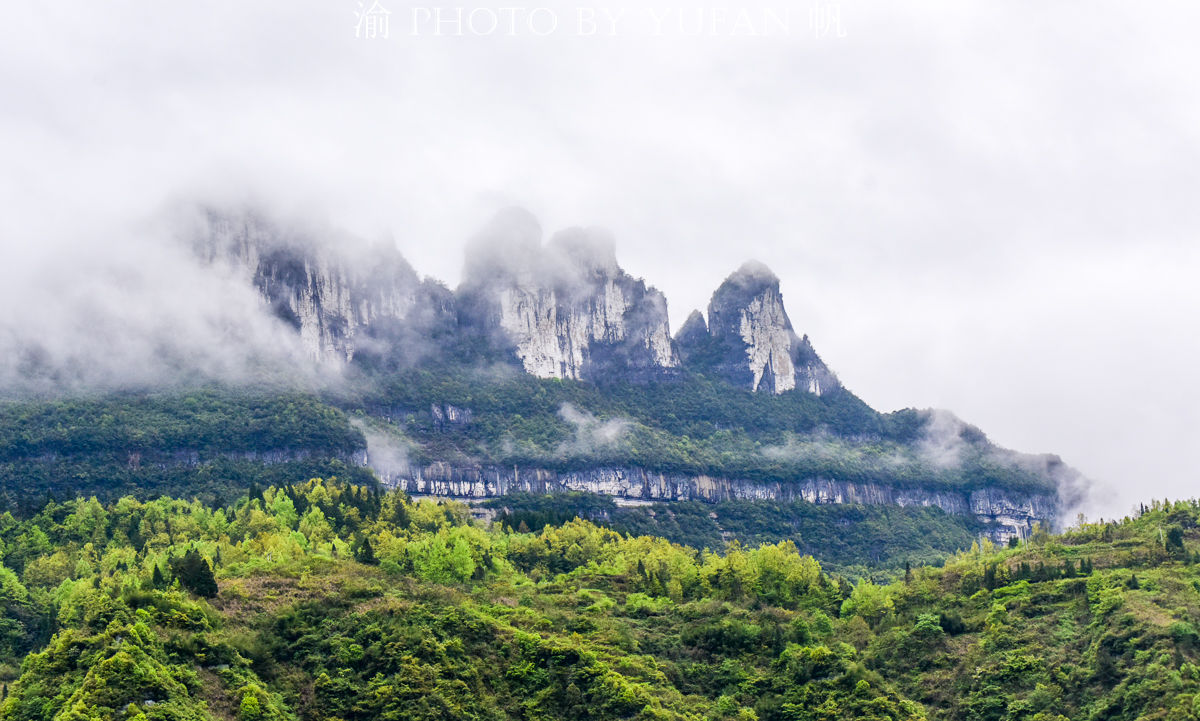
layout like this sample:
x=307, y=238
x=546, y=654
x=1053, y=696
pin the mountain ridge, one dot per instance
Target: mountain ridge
x=561, y=309
x=564, y=310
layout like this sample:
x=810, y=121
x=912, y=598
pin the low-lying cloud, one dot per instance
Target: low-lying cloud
x=592, y=435
x=387, y=452
x=137, y=311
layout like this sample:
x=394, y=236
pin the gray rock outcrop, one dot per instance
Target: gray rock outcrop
x=749, y=338
x=566, y=309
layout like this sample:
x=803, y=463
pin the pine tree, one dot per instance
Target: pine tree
x=364, y=553
x=195, y=574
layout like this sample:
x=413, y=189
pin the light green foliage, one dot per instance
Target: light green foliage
x=868, y=601
x=441, y=558
x=575, y=621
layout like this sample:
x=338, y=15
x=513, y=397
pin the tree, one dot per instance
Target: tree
x=1174, y=540
x=363, y=553
x=869, y=601
x=195, y=574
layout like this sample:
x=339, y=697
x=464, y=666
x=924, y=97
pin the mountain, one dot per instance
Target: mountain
x=548, y=370
x=342, y=296
x=564, y=310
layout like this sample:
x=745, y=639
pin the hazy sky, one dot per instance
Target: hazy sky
x=987, y=207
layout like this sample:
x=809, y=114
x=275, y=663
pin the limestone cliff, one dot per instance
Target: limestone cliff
x=342, y=296
x=749, y=338
x=566, y=309
x=1007, y=513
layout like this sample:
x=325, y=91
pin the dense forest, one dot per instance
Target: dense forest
x=214, y=443
x=855, y=540
x=335, y=601
x=690, y=425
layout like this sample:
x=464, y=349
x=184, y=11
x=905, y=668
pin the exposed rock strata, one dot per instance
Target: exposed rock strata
x=1010, y=513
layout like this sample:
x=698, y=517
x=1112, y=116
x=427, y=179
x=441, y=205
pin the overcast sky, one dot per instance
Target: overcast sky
x=988, y=207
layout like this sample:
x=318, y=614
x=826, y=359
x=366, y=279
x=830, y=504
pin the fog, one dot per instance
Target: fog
x=139, y=311
x=387, y=451
x=591, y=434
x=986, y=207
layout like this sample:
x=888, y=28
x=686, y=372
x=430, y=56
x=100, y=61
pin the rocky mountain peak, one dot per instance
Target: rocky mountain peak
x=693, y=332
x=587, y=251
x=507, y=250
x=561, y=309
x=750, y=340
x=328, y=286
x=566, y=309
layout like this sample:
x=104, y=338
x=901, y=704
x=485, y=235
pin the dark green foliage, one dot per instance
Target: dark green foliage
x=841, y=536
x=197, y=421
x=1174, y=540
x=194, y=573
x=207, y=444
x=689, y=425
x=363, y=553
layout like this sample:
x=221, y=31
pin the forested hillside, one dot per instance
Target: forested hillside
x=331, y=601
x=215, y=443
x=693, y=425
x=111, y=445
x=207, y=443
x=852, y=539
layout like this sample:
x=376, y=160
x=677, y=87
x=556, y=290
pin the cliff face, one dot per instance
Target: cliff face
x=749, y=338
x=340, y=297
x=1007, y=513
x=561, y=310
x=566, y=310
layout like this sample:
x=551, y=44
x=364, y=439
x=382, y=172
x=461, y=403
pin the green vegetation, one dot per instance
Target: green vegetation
x=215, y=443
x=212, y=444
x=690, y=425
x=198, y=421
x=853, y=540
x=337, y=602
